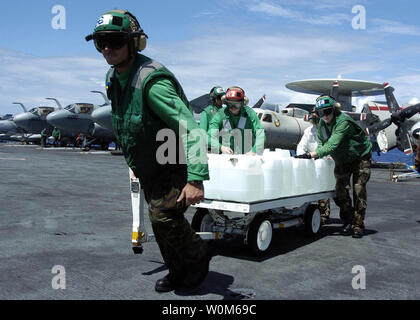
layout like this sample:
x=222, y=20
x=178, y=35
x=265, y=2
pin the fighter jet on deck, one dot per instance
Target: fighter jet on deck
x=77, y=118
x=34, y=120
x=24, y=129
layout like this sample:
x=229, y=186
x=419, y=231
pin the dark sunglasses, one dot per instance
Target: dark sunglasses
x=113, y=41
x=324, y=112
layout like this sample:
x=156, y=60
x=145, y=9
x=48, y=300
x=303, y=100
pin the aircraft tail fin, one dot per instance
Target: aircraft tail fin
x=259, y=102
x=57, y=102
x=200, y=103
x=107, y=102
x=21, y=104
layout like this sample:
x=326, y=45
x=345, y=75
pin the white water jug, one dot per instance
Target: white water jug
x=324, y=175
x=273, y=174
x=238, y=178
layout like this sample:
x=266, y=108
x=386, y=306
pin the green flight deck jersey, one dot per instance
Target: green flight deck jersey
x=56, y=134
x=252, y=136
x=152, y=101
x=344, y=140
x=44, y=133
x=207, y=115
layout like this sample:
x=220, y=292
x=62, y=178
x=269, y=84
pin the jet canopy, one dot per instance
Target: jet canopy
x=271, y=107
x=86, y=108
x=41, y=111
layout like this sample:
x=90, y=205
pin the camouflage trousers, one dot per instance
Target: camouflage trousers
x=358, y=174
x=324, y=207
x=179, y=245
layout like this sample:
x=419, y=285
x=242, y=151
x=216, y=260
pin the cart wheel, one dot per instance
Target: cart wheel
x=202, y=221
x=312, y=220
x=260, y=234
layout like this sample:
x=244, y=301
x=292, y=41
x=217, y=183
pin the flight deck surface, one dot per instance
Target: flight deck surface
x=73, y=210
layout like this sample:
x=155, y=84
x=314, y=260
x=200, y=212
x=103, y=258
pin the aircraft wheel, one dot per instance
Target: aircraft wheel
x=202, y=221
x=260, y=234
x=312, y=220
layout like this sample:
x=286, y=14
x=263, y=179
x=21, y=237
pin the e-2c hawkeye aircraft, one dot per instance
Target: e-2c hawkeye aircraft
x=400, y=127
x=286, y=133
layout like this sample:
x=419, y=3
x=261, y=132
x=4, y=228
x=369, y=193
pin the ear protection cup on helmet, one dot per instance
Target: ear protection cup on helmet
x=141, y=42
x=139, y=37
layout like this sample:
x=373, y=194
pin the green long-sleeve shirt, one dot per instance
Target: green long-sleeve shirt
x=343, y=139
x=56, y=134
x=206, y=116
x=246, y=122
x=149, y=113
x=167, y=105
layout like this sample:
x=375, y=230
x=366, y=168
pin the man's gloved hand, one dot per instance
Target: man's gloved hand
x=226, y=150
x=306, y=155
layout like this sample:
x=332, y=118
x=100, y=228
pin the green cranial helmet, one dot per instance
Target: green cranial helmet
x=114, y=20
x=325, y=105
x=116, y=24
x=324, y=102
x=216, y=92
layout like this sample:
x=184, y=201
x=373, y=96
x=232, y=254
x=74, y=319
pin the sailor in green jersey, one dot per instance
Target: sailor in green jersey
x=208, y=113
x=238, y=125
x=346, y=142
x=44, y=137
x=56, y=134
x=147, y=103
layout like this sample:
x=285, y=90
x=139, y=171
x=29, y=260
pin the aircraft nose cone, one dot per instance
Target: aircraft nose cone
x=7, y=126
x=22, y=120
x=56, y=118
x=102, y=116
x=69, y=121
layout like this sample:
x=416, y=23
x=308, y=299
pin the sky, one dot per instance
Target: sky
x=259, y=45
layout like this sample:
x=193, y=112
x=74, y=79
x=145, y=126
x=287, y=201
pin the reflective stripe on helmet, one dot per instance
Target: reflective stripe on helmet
x=324, y=102
x=105, y=19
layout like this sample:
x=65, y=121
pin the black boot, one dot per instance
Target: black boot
x=168, y=283
x=358, y=233
x=347, y=229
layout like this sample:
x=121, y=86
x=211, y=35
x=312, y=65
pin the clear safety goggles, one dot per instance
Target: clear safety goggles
x=234, y=105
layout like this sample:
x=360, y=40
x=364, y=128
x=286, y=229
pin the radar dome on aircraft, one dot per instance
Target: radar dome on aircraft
x=346, y=89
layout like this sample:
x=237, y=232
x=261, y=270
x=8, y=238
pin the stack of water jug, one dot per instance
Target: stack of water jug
x=273, y=175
